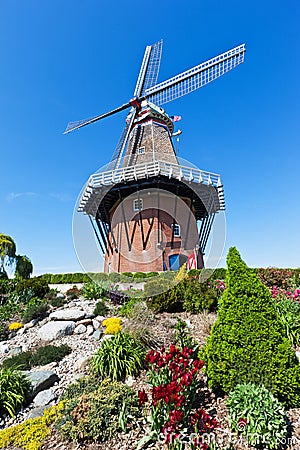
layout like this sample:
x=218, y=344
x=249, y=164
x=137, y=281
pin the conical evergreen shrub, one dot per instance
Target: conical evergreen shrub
x=247, y=343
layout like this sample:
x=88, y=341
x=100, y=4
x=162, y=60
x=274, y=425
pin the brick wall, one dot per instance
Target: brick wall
x=147, y=244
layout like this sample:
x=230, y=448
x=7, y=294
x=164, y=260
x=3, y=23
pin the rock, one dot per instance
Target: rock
x=54, y=330
x=97, y=335
x=21, y=331
x=100, y=319
x=30, y=324
x=15, y=351
x=4, y=348
x=89, y=330
x=36, y=412
x=78, y=376
x=49, y=366
x=40, y=380
x=46, y=320
x=82, y=363
x=106, y=336
x=43, y=398
x=96, y=324
x=80, y=329
x=85, y=322
x=67, y=314
x=60, y=295
x=130, y=381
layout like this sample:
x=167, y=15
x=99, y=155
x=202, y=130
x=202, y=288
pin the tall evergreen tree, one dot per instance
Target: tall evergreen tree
x=247, y=342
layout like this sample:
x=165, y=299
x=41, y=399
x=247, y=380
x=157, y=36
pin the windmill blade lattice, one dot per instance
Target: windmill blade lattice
x=117, y=155
x=82, y=123
x=153, y=66
x=196, y=77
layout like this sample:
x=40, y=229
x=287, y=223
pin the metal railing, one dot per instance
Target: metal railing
x=148, y=170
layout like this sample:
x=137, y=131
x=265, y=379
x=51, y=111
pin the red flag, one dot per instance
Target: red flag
x=192, y=261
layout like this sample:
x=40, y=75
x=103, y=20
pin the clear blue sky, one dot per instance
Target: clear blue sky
x=67, y=60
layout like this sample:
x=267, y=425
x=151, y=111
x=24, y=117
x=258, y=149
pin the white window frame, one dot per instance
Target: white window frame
x=141, y=151
x=137, y=204
x=177, y=230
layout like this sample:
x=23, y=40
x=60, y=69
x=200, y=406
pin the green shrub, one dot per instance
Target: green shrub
x=99, y=416
x=93, y=291
x=14, y=387
x=100, y=309
x=35, y=309
x=40, y=357
x=127, y=307
x=83, y=386
x=4, y=333
x=258, y=415
x=169, y=301
x=21, y=361
x=289, y=315
x=247, y=342
x=38, y=286
x=118, y=357
x=49, y=353
x=199, y=296
x=6, y=286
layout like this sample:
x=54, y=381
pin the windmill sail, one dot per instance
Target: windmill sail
x=196, y=77
x=153, y=66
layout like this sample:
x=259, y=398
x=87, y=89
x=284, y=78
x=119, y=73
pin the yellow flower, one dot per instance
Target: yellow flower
x=15, y=326
x=113, y=325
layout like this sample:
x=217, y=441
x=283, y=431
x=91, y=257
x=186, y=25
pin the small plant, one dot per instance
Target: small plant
x=140, y=325
x=170, y=300
x=83, y=386
x=49, y=353
x=40, y=357
x=3, y=332
x=289, y=315
x=173, y=375
x=20, y=361
x=31, y=434
x=15, y=326
x=35, y=309
x=100, y=415
x=127, y=307
x=94, y=291
x=14, y=387
x=257, y=414
x=113, y=325
x=118, y=357
x=100, y=309
x=73, y=293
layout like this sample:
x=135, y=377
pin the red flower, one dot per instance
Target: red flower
x=142, y=397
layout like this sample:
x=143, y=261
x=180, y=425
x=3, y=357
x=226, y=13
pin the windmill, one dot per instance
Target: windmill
x=149, y=211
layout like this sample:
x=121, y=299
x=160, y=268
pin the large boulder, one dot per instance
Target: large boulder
x=44, y=398
x=67, y=314
x=39, y=381
x=54, y=330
